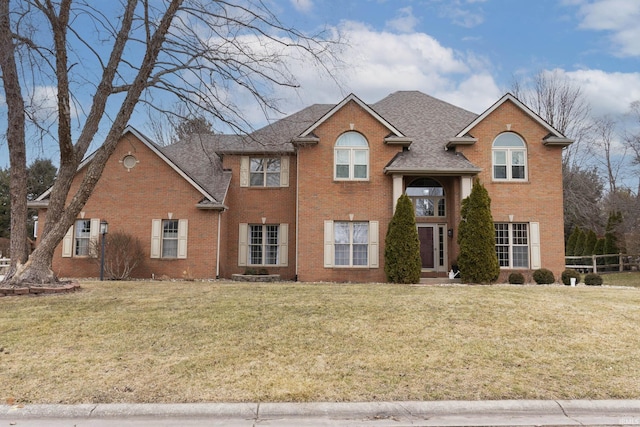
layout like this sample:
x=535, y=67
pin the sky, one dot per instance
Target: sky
x=467, y=52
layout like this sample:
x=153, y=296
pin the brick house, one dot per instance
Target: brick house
x=310, y=197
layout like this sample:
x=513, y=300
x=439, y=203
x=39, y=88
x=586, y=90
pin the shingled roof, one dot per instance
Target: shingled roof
x=427, y=121
x=430, y=123
x=198, y=159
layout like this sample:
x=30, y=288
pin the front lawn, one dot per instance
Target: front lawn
x=232, y=342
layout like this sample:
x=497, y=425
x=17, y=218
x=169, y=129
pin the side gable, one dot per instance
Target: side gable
x=209, y=201
x=553, y=138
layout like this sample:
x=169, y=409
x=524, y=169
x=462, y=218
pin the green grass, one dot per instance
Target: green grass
x=622, y=279
x=231, y=342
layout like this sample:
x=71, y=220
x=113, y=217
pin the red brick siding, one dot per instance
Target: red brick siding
x=322, y=198
x=249, y=205
x=539, y=199
x=129, y=200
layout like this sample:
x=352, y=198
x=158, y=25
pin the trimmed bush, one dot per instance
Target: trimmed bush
x=543, y=276
x=568, y=274
x=593, y=279
x=516, y=279
x=402, y=246
x=476, y=236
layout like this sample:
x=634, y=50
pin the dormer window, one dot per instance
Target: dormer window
x=351, y=157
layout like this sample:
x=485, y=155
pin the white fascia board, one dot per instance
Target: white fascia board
x=342, y=103
x=519, y=104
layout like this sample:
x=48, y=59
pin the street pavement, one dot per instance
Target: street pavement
x=359, y=414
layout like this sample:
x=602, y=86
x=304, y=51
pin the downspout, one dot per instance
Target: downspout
x=218, y=246
x=297, y=209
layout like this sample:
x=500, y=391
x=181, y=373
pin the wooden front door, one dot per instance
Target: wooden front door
x=425, y=234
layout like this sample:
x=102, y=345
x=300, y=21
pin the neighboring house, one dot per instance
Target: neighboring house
x=310, y=196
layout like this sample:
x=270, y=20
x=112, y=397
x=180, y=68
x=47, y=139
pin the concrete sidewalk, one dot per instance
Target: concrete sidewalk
x=438, y=413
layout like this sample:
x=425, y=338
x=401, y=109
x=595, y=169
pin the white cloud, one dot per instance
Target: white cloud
x=404, y=22
x=376, y=64
x=463, y=12
x=303, y=6
x=607, y=93
x=619, y=18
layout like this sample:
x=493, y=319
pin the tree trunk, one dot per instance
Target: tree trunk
x=16, y=141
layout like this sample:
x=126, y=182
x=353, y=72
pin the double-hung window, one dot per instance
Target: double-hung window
x=263, y=244
x=351, y=157
x=351, y=243
x=82, y=237
x=169, y=238
x=264, y=172
x=512, y=244
x=509, y=158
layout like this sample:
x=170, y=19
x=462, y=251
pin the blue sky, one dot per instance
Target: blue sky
x=466, y=52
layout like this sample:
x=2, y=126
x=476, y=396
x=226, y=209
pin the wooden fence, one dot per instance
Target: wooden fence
x=604, y=263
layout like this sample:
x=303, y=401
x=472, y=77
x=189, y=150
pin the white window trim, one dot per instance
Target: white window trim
x=374, y=246
x=352, y=150
x=69, y=239
x=509, y=158
x=245, y=171
x=243, y=246
x=156, y=239
x=533, y=244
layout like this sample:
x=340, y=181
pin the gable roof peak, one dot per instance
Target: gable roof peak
x=352, y=97
x=556, y=134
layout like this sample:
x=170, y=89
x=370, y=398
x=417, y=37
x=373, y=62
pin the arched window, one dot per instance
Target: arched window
x=509, y=158
x=427, y=196
x=351, y=157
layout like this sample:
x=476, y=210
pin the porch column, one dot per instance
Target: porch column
x=397, y=190
x=465, y=187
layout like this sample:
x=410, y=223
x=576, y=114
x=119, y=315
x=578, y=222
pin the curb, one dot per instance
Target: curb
x=569, y=410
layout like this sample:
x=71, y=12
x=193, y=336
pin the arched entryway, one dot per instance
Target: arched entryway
x=429, y=202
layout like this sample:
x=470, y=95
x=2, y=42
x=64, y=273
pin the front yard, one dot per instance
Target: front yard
x=230, y=342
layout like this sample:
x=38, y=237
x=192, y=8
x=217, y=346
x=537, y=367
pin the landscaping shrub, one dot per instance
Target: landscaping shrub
x=123, y=253
x=516, y=279
x=476, y=236
x=402, y=246
x=543, y=276
x=568, y=274
x=593, y=279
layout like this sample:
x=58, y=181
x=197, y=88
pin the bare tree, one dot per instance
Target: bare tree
x=606, y=152
x=563, y=105
x=633, y=138
x=169, y=129
x=197, y=52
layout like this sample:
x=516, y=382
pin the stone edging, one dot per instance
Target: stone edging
x=40, y=289
x=255, y=277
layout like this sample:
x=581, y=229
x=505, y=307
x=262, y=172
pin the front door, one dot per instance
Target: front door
x=426, y=234
x=432, y=246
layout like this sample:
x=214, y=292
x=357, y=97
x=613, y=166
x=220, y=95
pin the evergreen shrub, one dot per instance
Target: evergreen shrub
x=516, y=279
x=477, y=260
x=543, y=276
x=593, y=279
x=568, y=274
x=402, y=246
